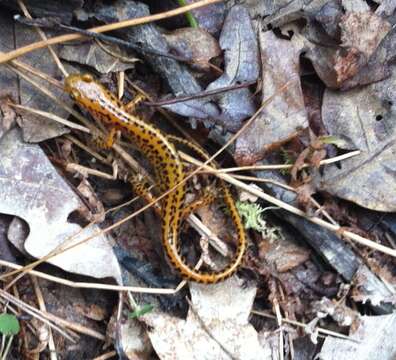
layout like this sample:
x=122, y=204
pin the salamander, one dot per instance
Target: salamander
x=168, y=168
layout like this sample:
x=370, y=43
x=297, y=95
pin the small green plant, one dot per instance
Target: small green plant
x=252, y=217
x=9, y=326
x=334, y=140
x=190, y=18
x=288, y=159
x=141, y=310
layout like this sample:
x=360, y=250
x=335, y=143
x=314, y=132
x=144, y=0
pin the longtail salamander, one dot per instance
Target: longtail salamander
x=168, y=167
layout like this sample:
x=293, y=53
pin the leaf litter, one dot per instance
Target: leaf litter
x=340, y=55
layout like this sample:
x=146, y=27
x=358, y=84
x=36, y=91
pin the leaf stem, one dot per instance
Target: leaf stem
x=7, y=349
x=189, y=16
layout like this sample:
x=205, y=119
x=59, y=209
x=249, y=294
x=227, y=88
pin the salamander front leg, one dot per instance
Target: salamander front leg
x=131, y=106
x=105, y=142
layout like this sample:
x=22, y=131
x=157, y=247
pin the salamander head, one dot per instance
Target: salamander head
x=85, y=90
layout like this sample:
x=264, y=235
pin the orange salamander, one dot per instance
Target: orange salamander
x=168, y=167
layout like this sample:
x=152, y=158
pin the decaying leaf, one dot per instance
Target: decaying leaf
x=286, y=115
x=36, y=129
x=363, y=31
x=378, y=65
x=239, y=43
x=282, y=12
x=355, y=5
x=8, y=115
x=338, y=311
x=217, y=322
x=210, y=17
x=104, y=58
x=373, y=340
x=32, y=190
x=364, y=119
x=194, y=44
x=361, y=55
x=133, y=340
x=8, y=79
x=329, y=16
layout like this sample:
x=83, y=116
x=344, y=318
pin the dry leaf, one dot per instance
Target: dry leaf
x=91, y=54
x=239, y=43
x=35, y=128
x=194, y=44
x=364, y=119
x=34, y=191
x=286, y=115
x=216, y=327
x=374, y=340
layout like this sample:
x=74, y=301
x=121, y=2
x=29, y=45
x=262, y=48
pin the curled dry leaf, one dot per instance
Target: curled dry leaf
x=8, y=116
x=285, y=11
x=96, y=211
x=32, y=190
x=361, y=34
x=378, y=65
x=364, y=119
x=194, y=44
x=239, y=43
x=285, y=115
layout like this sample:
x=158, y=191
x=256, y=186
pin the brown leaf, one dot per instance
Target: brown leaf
x=299, y=163
x=285, y=116
x=194, y=44
x=304, y=193
x=150, y=39
x=363, y=31
x=361, y=58
x=378, y=65
x=97, y=212
x=7, y=116
x=364, y=119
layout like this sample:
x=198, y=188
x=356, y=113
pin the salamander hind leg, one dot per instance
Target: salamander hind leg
x=141, y=187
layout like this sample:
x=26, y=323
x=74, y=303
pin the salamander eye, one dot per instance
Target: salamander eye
x=74, y=94
x=87, y=78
